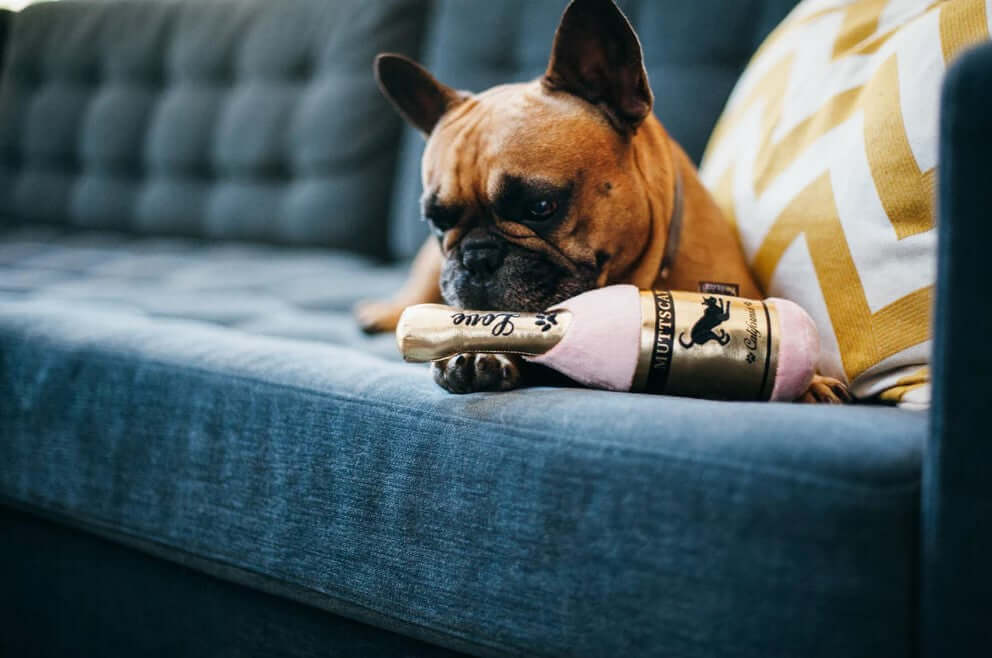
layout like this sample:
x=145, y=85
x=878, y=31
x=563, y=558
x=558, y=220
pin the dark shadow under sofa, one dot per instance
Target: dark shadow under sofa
x=201, y=454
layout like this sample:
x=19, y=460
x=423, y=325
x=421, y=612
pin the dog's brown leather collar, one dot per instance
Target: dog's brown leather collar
x=674, y=228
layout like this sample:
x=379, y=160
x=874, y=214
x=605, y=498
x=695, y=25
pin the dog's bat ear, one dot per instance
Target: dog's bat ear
x=418, y=97
x=596, y=55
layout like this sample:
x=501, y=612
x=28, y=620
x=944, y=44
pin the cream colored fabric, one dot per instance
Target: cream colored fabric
x=825, y=159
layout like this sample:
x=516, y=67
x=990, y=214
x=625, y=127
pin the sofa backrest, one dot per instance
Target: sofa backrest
x=230, y=119
x=694, y=52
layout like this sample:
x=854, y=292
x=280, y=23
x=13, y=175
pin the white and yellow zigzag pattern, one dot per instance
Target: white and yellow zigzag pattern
x=825, y=159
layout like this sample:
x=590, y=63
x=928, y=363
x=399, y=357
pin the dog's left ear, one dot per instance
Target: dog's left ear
x=596, y=56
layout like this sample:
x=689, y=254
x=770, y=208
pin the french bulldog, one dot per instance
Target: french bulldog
x=536, y=192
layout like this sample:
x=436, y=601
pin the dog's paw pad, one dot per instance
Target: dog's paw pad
x=470, y=373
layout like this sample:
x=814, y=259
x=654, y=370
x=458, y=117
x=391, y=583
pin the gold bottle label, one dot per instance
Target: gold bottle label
x=709, y=345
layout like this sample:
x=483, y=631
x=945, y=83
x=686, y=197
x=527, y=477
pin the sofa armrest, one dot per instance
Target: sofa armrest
x=6, y=16
x=957, y=471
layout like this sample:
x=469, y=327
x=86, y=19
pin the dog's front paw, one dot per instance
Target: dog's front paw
x=826, y=390
x=469, y=373
x=375, y=316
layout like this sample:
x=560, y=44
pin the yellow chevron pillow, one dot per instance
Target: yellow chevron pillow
x=824, y=159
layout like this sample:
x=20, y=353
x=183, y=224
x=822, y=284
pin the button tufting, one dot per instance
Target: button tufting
x=304, y=69
x=207, y=97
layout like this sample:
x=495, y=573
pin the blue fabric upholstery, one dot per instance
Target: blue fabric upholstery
x=6, y=16
x=228, y=119
x=957, y=502
x=68, y=593
x=542, y=521
x=262, y=289
x=693, y=51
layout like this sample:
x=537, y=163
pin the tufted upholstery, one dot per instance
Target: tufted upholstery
x=693, y=55
x=232, y=119
x=250, y=288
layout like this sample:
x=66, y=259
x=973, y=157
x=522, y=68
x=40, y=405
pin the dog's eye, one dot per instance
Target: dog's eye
x=542, y=209
x=439, y=224
x=442, y=217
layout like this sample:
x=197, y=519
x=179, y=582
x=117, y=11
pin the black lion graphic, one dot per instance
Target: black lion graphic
x=716, y=313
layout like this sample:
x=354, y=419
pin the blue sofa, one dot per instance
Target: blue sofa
x=201, y=454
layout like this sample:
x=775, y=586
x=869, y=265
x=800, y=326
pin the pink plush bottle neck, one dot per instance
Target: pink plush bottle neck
x=603, y=341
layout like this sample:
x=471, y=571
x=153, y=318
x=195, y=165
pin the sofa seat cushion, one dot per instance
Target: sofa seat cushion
x=214, y=410
x=259, y=289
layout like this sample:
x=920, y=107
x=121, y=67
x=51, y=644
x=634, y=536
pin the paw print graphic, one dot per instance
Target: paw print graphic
x=546, y=320
x=750, y=357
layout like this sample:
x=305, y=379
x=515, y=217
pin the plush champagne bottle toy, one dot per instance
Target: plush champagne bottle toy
x=624, y=339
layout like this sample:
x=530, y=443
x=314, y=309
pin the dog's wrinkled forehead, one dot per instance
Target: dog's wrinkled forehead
x=514, y=132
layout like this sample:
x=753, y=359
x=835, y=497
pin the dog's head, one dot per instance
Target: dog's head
x=535, y=190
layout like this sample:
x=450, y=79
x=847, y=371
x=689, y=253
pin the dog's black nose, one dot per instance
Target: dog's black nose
x=482, y=258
